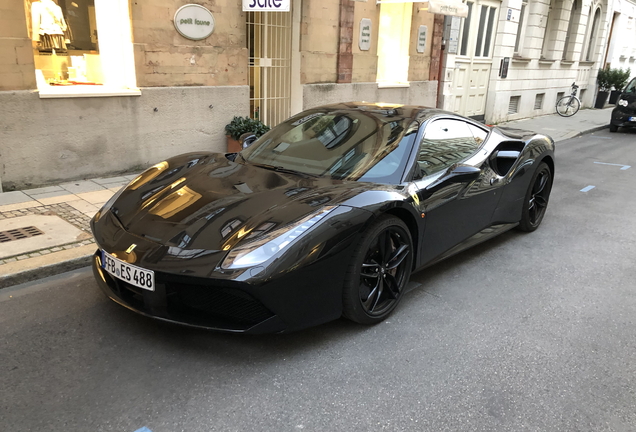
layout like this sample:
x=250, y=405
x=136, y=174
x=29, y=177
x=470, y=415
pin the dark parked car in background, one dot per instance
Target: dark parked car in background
x=326, y=215
x=624, y=115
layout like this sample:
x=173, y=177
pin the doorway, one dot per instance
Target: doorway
x=269, y=41
x=474, y=58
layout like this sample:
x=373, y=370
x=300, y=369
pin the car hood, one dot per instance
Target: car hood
x=207, y=202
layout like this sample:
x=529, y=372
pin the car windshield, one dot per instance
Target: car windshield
x=344, y=144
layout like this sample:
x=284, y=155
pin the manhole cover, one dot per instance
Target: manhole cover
x=19, y=234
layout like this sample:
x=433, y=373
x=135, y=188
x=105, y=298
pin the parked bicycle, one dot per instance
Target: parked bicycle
x=569, y=105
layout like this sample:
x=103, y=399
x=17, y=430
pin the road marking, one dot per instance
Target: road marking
x=600, y=137
x=143, y=429
x=624, y=167
x=587, y=188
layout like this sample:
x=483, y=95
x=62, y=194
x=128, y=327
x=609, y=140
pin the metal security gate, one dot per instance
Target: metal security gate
x=269, y=43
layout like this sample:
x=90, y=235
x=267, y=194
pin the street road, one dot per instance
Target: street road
x=527, y=332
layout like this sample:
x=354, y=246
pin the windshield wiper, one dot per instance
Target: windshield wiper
x=283, y=169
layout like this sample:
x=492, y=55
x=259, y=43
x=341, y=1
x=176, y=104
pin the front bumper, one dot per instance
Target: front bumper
x=292, y=301
x=214, y=305
x=621, y=117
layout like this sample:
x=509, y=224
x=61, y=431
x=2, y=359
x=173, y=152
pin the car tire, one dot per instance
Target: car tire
x=613, y=127
x=536, y=200
x=379, y=271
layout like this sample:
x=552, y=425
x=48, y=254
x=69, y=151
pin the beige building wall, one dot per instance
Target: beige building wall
x=365, y=63
x=420, y=63
x=165, y=58
x=319, y=39
x=17, y=70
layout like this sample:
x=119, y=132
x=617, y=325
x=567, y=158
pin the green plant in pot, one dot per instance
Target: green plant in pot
x=239, y=129
x=618, y=79
x=604, y=86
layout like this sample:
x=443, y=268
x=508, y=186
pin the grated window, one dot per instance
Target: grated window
x=19, y=234
x=560, y=95
x=538, y=101
x=513, y=106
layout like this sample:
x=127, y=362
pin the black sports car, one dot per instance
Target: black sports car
x=624, y=115
x=324, y=216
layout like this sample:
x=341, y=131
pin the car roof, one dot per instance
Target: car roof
x=408, y=111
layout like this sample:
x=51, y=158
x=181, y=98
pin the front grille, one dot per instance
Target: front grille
x=221, y=303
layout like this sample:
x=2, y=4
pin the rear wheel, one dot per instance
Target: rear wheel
x=536, y=200
x=613, y=127
x=379, y=271
x=568, y=106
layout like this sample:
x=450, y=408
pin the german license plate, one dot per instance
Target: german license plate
x=632, y=119
x=134, y=275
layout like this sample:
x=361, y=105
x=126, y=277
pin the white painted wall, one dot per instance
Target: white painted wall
x=622, y=49
x=93, y=137
x=530, y=74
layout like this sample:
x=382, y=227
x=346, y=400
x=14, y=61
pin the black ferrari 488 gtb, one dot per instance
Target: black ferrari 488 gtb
x=324, y=216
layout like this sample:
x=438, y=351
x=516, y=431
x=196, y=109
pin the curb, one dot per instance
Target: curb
x=40, y=267
x=578, y=134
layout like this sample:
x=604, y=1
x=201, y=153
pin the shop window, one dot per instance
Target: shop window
x=591, y=42
x=521, y=29
x=570, y=36
x=82, y=47
x=393, y=43
x=466, y=30
x=485, y=30
x=548, y=34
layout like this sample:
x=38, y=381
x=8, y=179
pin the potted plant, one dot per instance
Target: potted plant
x=604, y=86
x=619, y=78
x=240, y=126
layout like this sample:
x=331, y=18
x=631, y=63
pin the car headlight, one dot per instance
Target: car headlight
x=265, y=247
x=623, y=102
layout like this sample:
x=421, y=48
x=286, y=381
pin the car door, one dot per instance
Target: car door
x=457, y=191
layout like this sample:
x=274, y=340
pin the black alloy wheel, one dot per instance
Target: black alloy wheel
x=536, y=200
x=379, y=272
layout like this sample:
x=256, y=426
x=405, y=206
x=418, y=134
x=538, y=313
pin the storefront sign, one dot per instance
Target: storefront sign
x=421, y=38
x=194, y=22
x=266, y=5
x=364, y=41
x=448, y=7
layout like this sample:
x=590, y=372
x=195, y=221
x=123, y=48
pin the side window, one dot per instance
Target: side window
x=446, y=142
x=478, y=133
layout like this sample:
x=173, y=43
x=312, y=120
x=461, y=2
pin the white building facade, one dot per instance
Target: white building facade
x=621, y=49
x=514, y=58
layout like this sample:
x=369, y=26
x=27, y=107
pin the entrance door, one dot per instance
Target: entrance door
x=474, y=58
x=269, y=43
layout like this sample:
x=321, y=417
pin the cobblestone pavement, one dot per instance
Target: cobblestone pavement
x=62, y=210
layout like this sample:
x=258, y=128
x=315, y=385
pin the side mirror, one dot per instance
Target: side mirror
x=247, y=139
x=458, y=174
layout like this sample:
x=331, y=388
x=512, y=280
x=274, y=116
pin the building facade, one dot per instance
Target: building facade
x=515, y=58
x=93, y=87
x=621, y=49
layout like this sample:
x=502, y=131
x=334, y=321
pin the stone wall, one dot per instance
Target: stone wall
x=319, y=41
x=418, y=93
x=91, y=137
x=165, y=58
x=16, y=52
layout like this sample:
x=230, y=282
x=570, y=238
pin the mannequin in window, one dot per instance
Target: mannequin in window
x=48, y=26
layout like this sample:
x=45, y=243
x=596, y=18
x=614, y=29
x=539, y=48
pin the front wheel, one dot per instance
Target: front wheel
x=613, y=127
x=536, y=199
x=568, y=106
x=379, y=271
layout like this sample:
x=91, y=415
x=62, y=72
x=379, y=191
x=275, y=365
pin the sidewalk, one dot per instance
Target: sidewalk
x=46, y=231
